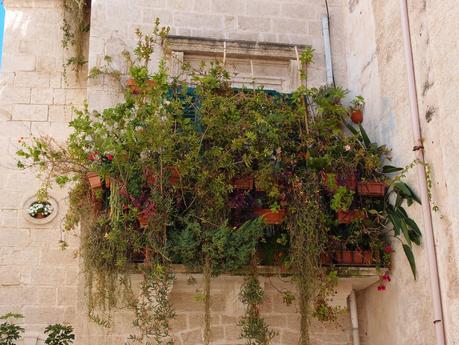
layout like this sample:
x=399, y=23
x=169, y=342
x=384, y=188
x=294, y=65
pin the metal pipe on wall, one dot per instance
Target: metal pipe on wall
x=426, y=209
x=354, y=318
x=327, y=49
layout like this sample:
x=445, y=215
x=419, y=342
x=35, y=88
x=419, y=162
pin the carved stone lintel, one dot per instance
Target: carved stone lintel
x=235, y=49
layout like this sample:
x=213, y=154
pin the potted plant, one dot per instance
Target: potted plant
x=136, y=89
x=363, y=257
x=371, y=188
x=341, y=202
x=174, y=175
x=357, y=105
x=344, y=257
x=271, y=216
x=95, y=183
x=243, y=183
x=140, y=80
x=40, y=210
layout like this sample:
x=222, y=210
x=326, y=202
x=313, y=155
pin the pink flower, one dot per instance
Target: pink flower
x=388, y=249
x=109, y=156
x=381, y=287
x=386, y=277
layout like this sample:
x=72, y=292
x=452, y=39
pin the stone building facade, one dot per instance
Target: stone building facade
x=45, y=284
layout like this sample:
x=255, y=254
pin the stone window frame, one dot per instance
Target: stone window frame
x=177, y=47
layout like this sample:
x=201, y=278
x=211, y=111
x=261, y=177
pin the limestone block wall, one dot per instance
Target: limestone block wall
x=376, y=69
x=226, y=311
x=36, y=277
x=296, y=22
x=44, y=283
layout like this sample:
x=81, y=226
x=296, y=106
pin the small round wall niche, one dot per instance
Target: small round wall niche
x=40, y=212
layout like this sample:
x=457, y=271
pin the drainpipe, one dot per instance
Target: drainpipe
x=426, y=210
x=327, y=50
x=354, y=318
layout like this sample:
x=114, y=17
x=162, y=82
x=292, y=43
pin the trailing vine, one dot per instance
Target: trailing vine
x=253, y=327
x=75, y=26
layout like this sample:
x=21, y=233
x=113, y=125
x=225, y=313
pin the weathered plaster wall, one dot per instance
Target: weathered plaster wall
x=376, y=69
x=44, y=283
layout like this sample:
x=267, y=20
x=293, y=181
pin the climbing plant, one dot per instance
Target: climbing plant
x=75, y=26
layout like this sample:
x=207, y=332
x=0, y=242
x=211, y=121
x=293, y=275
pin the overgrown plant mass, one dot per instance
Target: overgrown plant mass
x=190, y=170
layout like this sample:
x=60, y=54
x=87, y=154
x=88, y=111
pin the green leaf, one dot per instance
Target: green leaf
x=394, y=219
x=365, y=137
x=388, y=169
x=405, y=232
x=412, y=224
x=403, y=189
x=413, y=195
x=414, y=237
x=409, y=255
x=351, y=129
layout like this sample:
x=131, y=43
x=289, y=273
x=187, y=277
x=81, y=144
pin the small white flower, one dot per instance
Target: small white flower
x=347, y=147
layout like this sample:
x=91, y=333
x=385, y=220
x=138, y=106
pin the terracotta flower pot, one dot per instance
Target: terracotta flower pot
x=349, y=181
x=143, y=219
x=150, y=176
x=357, y=116
x=244, y=183
x=94, y=181
x=347, y=217
x=174, y=177
x=40, y=216
x=344, y=257
x=371, y=188
x=270, y=217
x=363, y=257
x=135, y=89
x=367, y=257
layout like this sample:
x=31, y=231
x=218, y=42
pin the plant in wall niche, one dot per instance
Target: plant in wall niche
x=58, y=334
x=9, y=331
x=40, y=210
x=155, y=179
x=74, y=28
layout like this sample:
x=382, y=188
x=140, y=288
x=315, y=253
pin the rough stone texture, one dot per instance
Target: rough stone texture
x=376, y=69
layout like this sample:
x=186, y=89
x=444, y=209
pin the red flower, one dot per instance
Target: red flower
x=388, y=249
x=109, y=156
x=381, y=287
x=386, y=277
